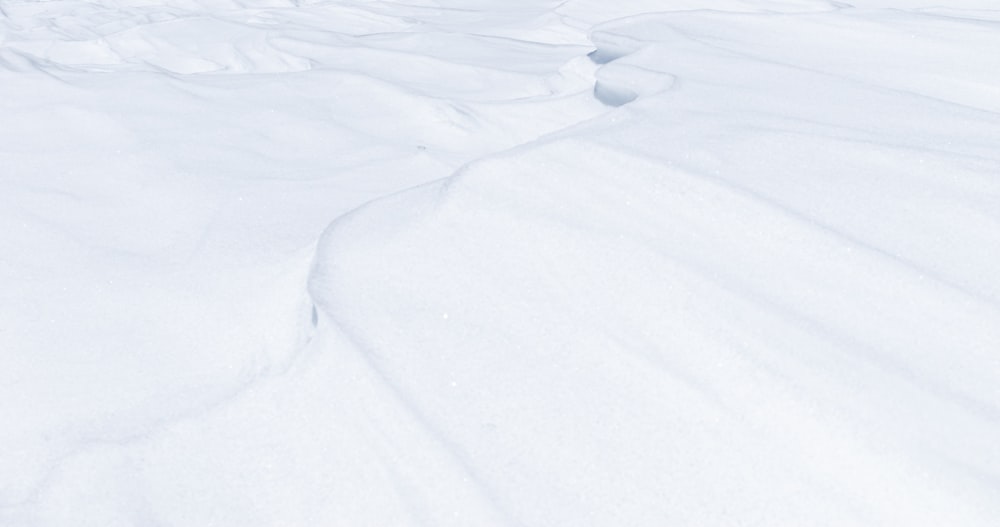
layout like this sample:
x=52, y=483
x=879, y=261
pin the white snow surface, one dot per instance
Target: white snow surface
x=499, y=262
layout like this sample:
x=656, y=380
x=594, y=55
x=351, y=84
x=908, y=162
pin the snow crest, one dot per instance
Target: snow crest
x=696, y=267
x=761, y=292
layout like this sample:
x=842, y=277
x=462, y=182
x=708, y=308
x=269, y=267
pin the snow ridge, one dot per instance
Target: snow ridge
x=693, y=267
x=711, y=306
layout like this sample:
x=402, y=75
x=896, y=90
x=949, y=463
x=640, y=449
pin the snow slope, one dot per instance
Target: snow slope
x=657, y=264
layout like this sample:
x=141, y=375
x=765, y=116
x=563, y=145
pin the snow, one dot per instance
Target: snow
x=499, y=263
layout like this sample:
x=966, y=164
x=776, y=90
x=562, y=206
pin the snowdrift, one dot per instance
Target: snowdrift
x=656, y=264
x=762, y=293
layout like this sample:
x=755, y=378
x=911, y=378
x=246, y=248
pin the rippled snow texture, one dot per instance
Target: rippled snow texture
x=499, y=263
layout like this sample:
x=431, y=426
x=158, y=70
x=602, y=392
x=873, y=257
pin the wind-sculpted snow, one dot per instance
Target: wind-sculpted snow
x=165, y=170
x=657, y=264
x=763, y=293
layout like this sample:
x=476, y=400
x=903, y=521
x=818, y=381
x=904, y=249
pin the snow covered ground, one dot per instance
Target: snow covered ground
x=499, y=262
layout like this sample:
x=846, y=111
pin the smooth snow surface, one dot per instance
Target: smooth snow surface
x=499, y=262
